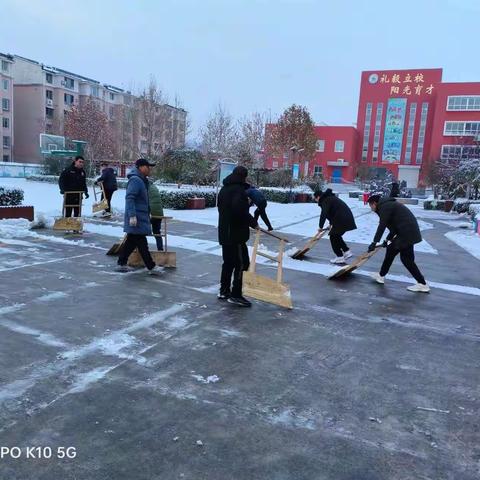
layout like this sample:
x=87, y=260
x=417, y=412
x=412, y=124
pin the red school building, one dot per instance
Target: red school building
x=406, y=118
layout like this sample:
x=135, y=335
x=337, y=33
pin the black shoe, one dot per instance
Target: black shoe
x=223, y=296
x=123, y=269
x=239, y=301
x=270, y=229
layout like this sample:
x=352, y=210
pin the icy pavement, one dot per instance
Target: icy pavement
x=153, y=377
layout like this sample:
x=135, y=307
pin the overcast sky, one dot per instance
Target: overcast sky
x=250, y=55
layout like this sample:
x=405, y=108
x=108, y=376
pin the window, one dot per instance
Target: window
x=285, y=155
x=320, y=145
x=110, y=112
x=49, y=78
x=464, y=102
x=421, y=133
x=366, y=132
x=339, y=146
x=112, y=96
x=49, y=112
x=5, y=122
x=411, y=128
x=378, y=126
x=68, y=99
x=317, y=170
x=5, y=84
x=275, y=164
x=6, y=141
x=6, y=158
x=49, y=94
x=461, y=128
x=5, y=104
x=460, y=152
x=69, y=82
x=94, y=91
x=5, y=66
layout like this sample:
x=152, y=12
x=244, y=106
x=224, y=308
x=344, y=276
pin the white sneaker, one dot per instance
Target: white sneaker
x=156, y=270
x=347, y=254
x=378, y=278
x=419, y=287
x=337, y=260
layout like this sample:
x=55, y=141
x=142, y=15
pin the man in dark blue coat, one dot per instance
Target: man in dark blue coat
x=258, y=199
x=137, y=217
x=234, y=222
x=109, y=180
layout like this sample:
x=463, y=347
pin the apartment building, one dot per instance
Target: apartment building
x=43, y=96
x=6, y=107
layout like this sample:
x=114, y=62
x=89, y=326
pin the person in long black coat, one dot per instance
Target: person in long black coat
x=341, y=219
x=73, y=179
x=109, y=180
x=404, y=233
x=234, y=222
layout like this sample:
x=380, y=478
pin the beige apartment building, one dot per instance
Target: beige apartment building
x=6, y=107
x=43, y=96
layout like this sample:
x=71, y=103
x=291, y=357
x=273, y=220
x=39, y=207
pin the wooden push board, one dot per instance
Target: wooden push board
x=358, y=262
x=68, y=224
x=164, y=259
x=309, y=245
x=266, y=289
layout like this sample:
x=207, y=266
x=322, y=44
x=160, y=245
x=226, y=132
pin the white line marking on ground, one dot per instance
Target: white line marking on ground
x=46, y=262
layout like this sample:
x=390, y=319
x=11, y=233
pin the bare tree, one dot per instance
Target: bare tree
x=88, y=123
x=219, y=135
x=153, y=118
x=251, y=140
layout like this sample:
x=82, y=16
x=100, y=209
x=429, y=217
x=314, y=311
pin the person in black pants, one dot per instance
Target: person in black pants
x=258, y=199
x=109, y=180
x=404, y=233
x=73, y=179
x=137, y=218
x=338, y=213
x=234, y=222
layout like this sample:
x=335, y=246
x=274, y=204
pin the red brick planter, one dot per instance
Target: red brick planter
x=195, y=203
x=20, y=211
x=303, y=198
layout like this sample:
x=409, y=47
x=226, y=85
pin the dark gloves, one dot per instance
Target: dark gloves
x=385, y=244
x=372, y=247
x=86, y=195
x=62, y=192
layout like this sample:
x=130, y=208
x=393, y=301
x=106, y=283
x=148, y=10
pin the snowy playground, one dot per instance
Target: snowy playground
x=154, y=378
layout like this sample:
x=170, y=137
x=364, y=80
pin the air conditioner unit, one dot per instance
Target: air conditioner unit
x=49, y=102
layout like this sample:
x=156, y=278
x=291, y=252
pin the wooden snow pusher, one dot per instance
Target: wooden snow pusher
x=310, y=244
x=99, y=205
x=68, y=224
x=358, y=262
x=165, y=258
x=264, y=288
x=116, y=247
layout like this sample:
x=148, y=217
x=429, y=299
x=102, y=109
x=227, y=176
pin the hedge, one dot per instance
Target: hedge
x=10, y=197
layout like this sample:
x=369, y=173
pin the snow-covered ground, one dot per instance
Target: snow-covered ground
x=467, y=239
x=297, y=219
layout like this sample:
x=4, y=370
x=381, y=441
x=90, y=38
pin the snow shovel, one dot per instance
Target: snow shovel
x=264, y=288
x=99, y=205
x=164, y=259
x=358, y=262
x=65, y=223
x=310, y=244
x=116, y=247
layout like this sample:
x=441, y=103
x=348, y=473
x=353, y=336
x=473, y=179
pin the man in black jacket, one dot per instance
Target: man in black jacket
x=234, y=222
x=109, y=180
x=338, y=213
x=404, y=233
x=73, y=179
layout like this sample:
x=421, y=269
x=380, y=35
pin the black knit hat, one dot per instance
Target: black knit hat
x=240, y=171
x=374, y=198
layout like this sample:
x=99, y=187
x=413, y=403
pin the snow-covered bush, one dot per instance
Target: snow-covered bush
x=177, y=199
x=10, y=197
